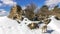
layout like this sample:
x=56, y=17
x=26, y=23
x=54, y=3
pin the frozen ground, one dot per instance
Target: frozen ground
x=9, y=26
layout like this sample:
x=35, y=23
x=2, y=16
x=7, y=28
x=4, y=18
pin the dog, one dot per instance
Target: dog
x=33, y=26
x=45, y=22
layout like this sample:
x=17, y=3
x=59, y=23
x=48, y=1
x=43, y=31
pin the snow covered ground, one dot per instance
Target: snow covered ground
x=9, y=26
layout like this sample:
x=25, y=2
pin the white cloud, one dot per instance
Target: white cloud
x=8, y=2
x=0, y=4
x=23, y=7
x=52, y=3
x=3, y=12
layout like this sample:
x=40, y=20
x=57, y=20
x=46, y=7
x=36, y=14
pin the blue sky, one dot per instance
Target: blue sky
x=23, y=3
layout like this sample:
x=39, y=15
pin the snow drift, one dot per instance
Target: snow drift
x=9, y=26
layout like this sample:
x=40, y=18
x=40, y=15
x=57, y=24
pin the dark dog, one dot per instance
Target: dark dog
x=33, y=26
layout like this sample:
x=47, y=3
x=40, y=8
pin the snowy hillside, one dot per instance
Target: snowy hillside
x=54, y=24
x=9, y=26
